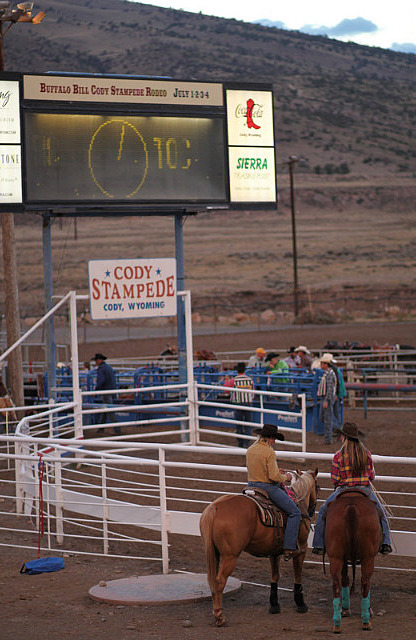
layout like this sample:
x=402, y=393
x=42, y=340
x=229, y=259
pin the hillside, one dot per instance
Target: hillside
x=348, y=109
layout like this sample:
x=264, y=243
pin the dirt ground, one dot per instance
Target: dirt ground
x=56, y=606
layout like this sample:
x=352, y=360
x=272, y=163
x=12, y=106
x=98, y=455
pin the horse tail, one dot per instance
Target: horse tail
x=351, y=523
x=212, y=556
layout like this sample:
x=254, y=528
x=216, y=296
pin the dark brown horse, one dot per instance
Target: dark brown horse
x=352, y=535
x=231, y=524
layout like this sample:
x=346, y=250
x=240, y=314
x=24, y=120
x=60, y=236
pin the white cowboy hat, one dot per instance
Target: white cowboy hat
x=302, y=347
x=327, y=357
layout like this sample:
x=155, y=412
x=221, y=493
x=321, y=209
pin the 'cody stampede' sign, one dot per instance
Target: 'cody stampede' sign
x=132, y=288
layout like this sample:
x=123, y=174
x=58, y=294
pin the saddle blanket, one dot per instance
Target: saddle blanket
x=270, y=515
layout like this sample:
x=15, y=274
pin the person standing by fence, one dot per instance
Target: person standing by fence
x=327, y=390
x=242, y=394
x=106, y=381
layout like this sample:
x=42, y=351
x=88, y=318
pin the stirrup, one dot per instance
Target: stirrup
x=288, y=554
x=385, y=549
x=318, y=551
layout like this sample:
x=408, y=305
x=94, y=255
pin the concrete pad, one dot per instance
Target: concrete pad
x=158, y=589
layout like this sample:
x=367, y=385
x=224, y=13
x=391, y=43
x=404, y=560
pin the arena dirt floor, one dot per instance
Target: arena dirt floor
x=57, y=605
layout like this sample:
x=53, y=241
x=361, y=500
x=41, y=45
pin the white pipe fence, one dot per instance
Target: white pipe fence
x=128, y=498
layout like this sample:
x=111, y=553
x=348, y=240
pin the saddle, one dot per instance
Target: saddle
x=270, y=515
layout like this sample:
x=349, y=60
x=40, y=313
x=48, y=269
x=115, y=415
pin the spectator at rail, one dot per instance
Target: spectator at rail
x=276, y=365
x=292, y=359
x=327, y=390
x=316, y=361
x=106, y=380
x=257, y=359
x=86, y=367
x=242, y=394
x=340, y=394
x=304, y=357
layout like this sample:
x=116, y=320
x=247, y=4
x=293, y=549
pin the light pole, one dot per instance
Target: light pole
x=9, y=17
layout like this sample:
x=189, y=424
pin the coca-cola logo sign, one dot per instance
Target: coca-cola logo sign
x=4, y=98
x=251, y=112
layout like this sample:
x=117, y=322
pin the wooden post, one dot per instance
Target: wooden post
x=11, y=294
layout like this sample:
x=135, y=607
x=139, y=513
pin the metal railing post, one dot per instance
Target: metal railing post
x=163, y=512
x=191, y=389
x=105, y=507
x=78, y=431
x=59, y=503
x=19, y=478
x=303, y=403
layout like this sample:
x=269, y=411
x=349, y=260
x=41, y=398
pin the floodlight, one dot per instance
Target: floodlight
x=4, y=7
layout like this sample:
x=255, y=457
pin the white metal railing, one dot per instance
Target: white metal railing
x=295, y=415
x=119, y=503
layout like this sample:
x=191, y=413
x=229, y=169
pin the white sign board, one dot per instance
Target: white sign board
x=127, y=90
x=136, y=288
x=251, y=153
x=10, y=174
x=252, y=174
x=250, y=118
x=10, y=148
x=9, y=112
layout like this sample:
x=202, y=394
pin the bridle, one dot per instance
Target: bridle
x=312, y=507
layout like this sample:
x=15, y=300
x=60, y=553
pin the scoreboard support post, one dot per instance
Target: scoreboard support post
x=50, y=345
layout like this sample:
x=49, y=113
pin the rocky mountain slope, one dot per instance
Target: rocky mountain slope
x=349, y=110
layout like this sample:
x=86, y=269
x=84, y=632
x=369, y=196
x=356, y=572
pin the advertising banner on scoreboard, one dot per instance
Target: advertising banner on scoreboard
x=136, y=288
x=251, y=153
x=250, y=118
x=252, y=174
x=10, y=147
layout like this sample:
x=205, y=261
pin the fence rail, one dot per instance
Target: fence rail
x=123, y=499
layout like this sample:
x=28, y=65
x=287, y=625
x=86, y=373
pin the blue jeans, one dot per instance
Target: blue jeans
x=319, y=535
x=337, y=413
x=282, y=500
x=327, y=417
x=243, y=415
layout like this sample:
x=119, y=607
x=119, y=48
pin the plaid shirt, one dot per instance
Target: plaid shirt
x=341, y=473
x=327, y=387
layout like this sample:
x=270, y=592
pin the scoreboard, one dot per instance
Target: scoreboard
x=125, y=144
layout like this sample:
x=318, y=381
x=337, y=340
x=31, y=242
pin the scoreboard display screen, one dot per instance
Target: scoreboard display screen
x=88, y=144
x=77, y=157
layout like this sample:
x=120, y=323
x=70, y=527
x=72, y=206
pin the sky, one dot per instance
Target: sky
x=389, y=25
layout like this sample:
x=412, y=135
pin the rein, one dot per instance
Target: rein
x=300, y=498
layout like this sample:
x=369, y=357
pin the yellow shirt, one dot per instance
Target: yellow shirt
x=262, y=465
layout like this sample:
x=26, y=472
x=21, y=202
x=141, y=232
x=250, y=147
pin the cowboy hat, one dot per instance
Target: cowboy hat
x=328, y=358
x=269, y=431
x=260, y=351
x=99, y=356
x=351, y=431
x=271, y=355
x=302, y=347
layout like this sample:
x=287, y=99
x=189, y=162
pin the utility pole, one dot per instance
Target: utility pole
x=291, y=161
x=8, y=18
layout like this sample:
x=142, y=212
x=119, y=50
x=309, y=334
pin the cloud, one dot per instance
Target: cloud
x=344, y=28
x=404, y=47
x=265, y=22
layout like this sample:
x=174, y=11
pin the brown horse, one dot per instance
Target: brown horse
x=352, y=535
x=231, y=524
